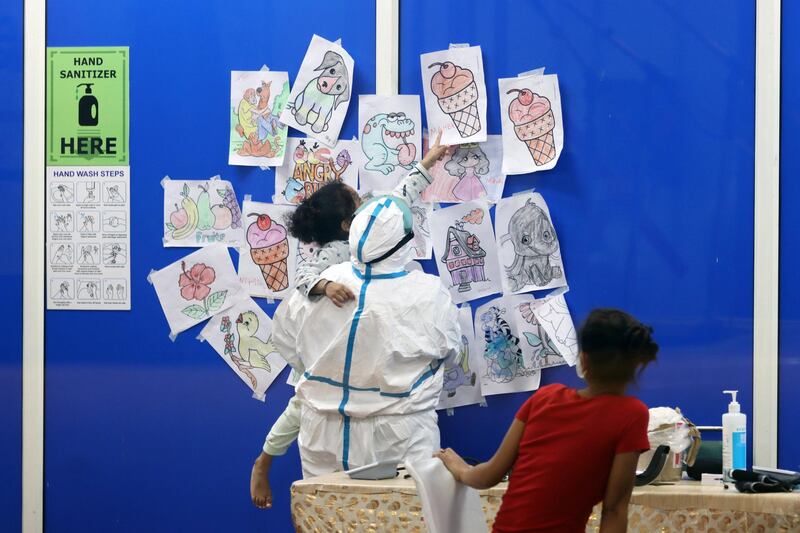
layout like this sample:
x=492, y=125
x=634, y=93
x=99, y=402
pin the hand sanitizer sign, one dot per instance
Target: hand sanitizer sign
x=87, y=106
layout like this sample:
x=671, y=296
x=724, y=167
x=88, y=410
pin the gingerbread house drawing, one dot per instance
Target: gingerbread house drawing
x=464, y=257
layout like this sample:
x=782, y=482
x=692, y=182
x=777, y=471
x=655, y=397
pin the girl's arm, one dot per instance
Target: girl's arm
x=618, y=493
x=308, y=279
x=489, y=474
x=411, y=187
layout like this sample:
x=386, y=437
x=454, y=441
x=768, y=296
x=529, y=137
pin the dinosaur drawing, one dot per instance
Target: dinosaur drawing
x=384, y=141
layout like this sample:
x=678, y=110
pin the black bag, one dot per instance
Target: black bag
x=756, y=483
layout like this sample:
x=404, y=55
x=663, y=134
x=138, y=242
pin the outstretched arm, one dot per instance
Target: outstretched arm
x=411, y=187
x=489, y=474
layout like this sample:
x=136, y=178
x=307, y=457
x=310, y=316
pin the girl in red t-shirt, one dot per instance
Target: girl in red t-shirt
x=571, y=449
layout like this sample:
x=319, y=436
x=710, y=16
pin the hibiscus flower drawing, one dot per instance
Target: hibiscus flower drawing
x=195, y=284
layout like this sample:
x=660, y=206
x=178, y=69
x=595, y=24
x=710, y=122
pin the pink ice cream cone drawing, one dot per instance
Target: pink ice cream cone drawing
x=457, y=93
x=269, y=248
x=533, y=123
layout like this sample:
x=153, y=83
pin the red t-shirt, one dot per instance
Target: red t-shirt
x=565, y=457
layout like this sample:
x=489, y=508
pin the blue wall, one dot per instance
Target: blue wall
x=652, y=198
x=11, y=264
x=789, y=407
x=144, y=434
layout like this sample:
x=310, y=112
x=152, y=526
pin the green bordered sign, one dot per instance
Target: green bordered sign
x=87, y=106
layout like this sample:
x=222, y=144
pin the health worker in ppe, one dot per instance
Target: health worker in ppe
x=371, y=370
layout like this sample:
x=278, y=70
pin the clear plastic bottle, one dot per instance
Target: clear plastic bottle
x=734, y=437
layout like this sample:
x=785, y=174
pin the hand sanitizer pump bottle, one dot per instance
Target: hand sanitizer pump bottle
x=734, y=438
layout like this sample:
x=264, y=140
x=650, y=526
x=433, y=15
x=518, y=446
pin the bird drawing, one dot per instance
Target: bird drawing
x=253, y=350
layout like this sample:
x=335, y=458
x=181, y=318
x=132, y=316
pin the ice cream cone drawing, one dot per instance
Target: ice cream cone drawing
x=269, y=248
x=534, y=121
x=457, y=95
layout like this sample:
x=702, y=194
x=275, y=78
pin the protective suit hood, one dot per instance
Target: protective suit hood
x=378, y=227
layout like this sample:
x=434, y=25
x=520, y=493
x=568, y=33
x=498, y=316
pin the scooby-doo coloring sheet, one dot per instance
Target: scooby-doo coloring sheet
x=466, y=252
x=462, y=382
x=268, y=260
x=197, y=287
x=530, y=254
x=257, y=136
x=533, y=128
x=321, y=92
x=467, y=172
x=498, y=339
x=391, y=139
x=242, y=336
x=455, y=94
x=201, y=213
x=538, y=346
x=309, y=165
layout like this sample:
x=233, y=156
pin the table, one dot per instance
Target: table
x=334, y=503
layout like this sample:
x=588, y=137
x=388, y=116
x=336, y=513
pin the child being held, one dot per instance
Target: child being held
x=571, y=449
x=324, y=218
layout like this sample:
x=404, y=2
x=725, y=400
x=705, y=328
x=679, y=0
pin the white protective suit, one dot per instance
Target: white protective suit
x=371, y=370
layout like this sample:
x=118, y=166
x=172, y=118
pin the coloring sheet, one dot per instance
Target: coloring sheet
x=466, y=251
x=268, y=260
x=552, y=314
x=455, y=94
x=467, y=172
x=201, y=213
x=197, y=287
x=530, y=255
x=538, y=349
x=499, y=341
x=462, y=385
x=257, y=100
x=88, y=238
x=309, y=166
x=391, y=139
x=321, y=92
x=533, y=128
x=242, y=336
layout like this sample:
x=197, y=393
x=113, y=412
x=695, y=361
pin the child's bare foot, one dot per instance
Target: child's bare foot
x=260, y=491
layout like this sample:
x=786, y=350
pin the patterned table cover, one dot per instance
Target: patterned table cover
x=335, y=503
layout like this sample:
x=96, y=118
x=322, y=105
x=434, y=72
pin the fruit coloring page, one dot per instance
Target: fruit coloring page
x=201, y=213
x=197, y=287
x=310, y=165
x=466, y=254
x=321, y=92
x=268, y=257
x=390, y=137
x=462, y=383
x=533, y=128
x=88, y=236
x=530, y=254
x=455, y=94
x=242, y=336
x=467, y=172
x=257, y=137
x=498, y=340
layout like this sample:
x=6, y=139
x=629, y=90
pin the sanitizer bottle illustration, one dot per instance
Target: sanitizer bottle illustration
x=88, y=108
